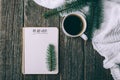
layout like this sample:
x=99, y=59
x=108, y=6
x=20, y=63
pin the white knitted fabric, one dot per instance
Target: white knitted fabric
x=106, y=40
x=51, y=4
x=115, y=71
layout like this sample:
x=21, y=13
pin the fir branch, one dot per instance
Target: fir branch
x=94, y=17
x=67, y=7
x=51, y=57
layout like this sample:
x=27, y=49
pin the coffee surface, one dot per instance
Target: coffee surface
x=73, y=24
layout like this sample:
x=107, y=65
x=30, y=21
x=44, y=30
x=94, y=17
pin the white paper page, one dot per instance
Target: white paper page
x=36, y=41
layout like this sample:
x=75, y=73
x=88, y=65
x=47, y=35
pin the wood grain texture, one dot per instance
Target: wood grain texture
x=71, y=57
x=94, y=65
x=72, y=67
x=11, y=23
x=77, y=61
x=1, y=47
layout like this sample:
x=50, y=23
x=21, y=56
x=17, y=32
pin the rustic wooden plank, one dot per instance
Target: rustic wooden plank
x=94, y=65
x=33, y=18
x=2, y=45
x=71, y=58
x=30, y=77
x=17, y=39
x=11, y=23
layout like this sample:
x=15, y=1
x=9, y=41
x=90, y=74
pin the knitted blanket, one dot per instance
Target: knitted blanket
x=106, y=40
x=51, y=4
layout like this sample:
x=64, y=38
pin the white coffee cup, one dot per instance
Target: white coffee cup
x=79, y=25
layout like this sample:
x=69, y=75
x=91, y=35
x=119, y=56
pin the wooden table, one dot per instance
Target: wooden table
x=77, y=61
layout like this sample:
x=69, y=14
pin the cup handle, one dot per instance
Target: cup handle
x=83, y=36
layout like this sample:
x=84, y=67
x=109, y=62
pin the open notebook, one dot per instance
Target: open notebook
x=35, y=45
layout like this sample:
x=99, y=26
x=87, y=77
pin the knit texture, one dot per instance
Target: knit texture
x=50, y=4
x=115, y=71
x=106, y=40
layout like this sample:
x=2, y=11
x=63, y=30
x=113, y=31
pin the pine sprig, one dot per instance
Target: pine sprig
x=51, y=57
x=67, y=7
x=94, y=17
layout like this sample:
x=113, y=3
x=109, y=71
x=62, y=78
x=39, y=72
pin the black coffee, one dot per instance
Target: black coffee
x=73, y=24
